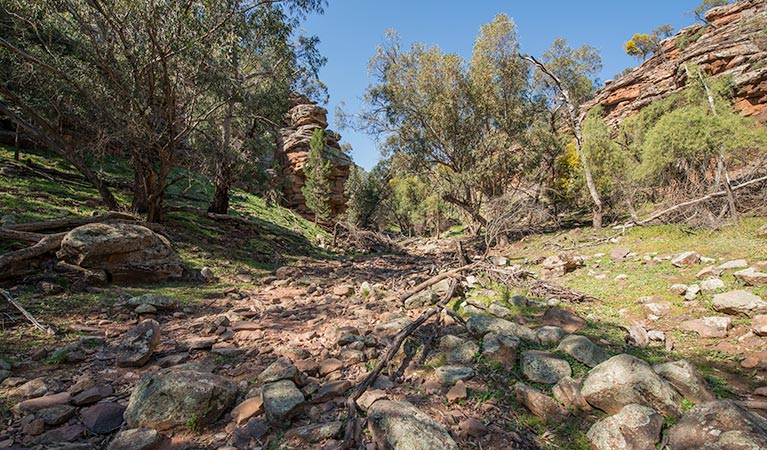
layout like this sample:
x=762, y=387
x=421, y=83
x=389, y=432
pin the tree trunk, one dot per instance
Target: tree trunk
x=61, y=149
x=16, y=139
x=220, y=203
x=140, y=203
x=473, y=211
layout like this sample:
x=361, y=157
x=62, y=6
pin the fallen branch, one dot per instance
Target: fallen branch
x=13, y=235
x=45, y=245
x=68, y=223
x=434, y=280
x=662, y=213
x=26, y=313
x=351, y=402
x=517, y=278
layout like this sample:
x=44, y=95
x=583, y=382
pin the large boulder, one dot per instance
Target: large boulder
x=719, y=425
x=544, y=367
x=635, y=427
x=178, y=397
x=481, y=325
x=582, y=349
x=683, y=377
x=739, y=302
x=623, y=380
x=402, y=426
x=126, y=252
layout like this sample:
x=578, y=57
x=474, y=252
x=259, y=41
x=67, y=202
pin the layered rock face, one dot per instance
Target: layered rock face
x=733, y=43
x=300, y=123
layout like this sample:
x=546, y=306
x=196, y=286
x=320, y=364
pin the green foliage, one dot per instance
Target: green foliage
x=642, y=45
x=317, y=169
x=609, y=163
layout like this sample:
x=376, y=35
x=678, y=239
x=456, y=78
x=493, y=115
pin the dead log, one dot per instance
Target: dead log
x=26, y=313
x=74, y=222
x=47, y=244
x=13, y=235
x=713, y=195
x=434, y=280
x=351, y=401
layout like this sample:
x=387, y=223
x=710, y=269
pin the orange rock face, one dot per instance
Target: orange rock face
x=733, y=44
x=300, y=123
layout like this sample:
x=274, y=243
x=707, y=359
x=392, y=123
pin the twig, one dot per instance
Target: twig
x=351, y=402
x=26, y=313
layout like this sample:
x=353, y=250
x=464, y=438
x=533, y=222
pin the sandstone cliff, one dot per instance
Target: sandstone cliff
x=733, y=43
x=300, y=123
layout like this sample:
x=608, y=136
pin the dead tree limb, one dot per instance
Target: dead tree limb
x=47, y=244
x=13, y=235
x=68, y=223
x=26, y=313
x=434, y=280
x=351, y=401
x=713, y=195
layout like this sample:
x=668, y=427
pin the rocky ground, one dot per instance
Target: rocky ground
x=268, y=362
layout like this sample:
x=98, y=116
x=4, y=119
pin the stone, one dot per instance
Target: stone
x=543, y=367
x=708, y=272
x=549, y=336
x=248, y=408
x=138, y=344
x=541, y=405
x=457, y=392
x=759, y=325
x=329, y=391
x=733, y=264
x=457, y=350
x=568, y=392
x=739, y=303
x=762, y=231
x=721, y=424
x=92, y=395
x=708, y=327
x=422, y=299
x=692, y=291
x=30, y=389
x=34, y=428
x=623, y=380
x=145, y=309
x=449, y=375
x=402, y=426
x=473, y=427
x=56, y=415
x=159, y=302
x=330, y=365
x=48, y=401
x=750, y=277
x=711, y=284
x=315, y=433
x=282, y=402
x=685, y=259
x=200, y=342
x=619, y=253
x=501, y=348
x=369, y=397
x=207, y=274
x=567, y=320
x=68, y=433
x=170, y=398
x=659, y=309
x=499, y=310
x=343, y=290
x=499, y=260
x=5, y=370
x=127, y=252
x=103, y=418
x=481, y=325
x=686, y=380
x=678, y=289
x=136, y=439
x=282, y=369
x=583, y=350
x=559, y=265
x=635, y=427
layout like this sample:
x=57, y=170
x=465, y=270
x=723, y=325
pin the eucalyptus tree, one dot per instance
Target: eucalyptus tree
x=131, y=77
x=456, y=120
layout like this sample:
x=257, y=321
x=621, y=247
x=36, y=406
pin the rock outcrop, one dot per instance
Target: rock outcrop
x=300, y=123
x=733, y=43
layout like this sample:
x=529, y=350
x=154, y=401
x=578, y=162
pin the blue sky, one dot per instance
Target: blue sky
x=350, y=30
